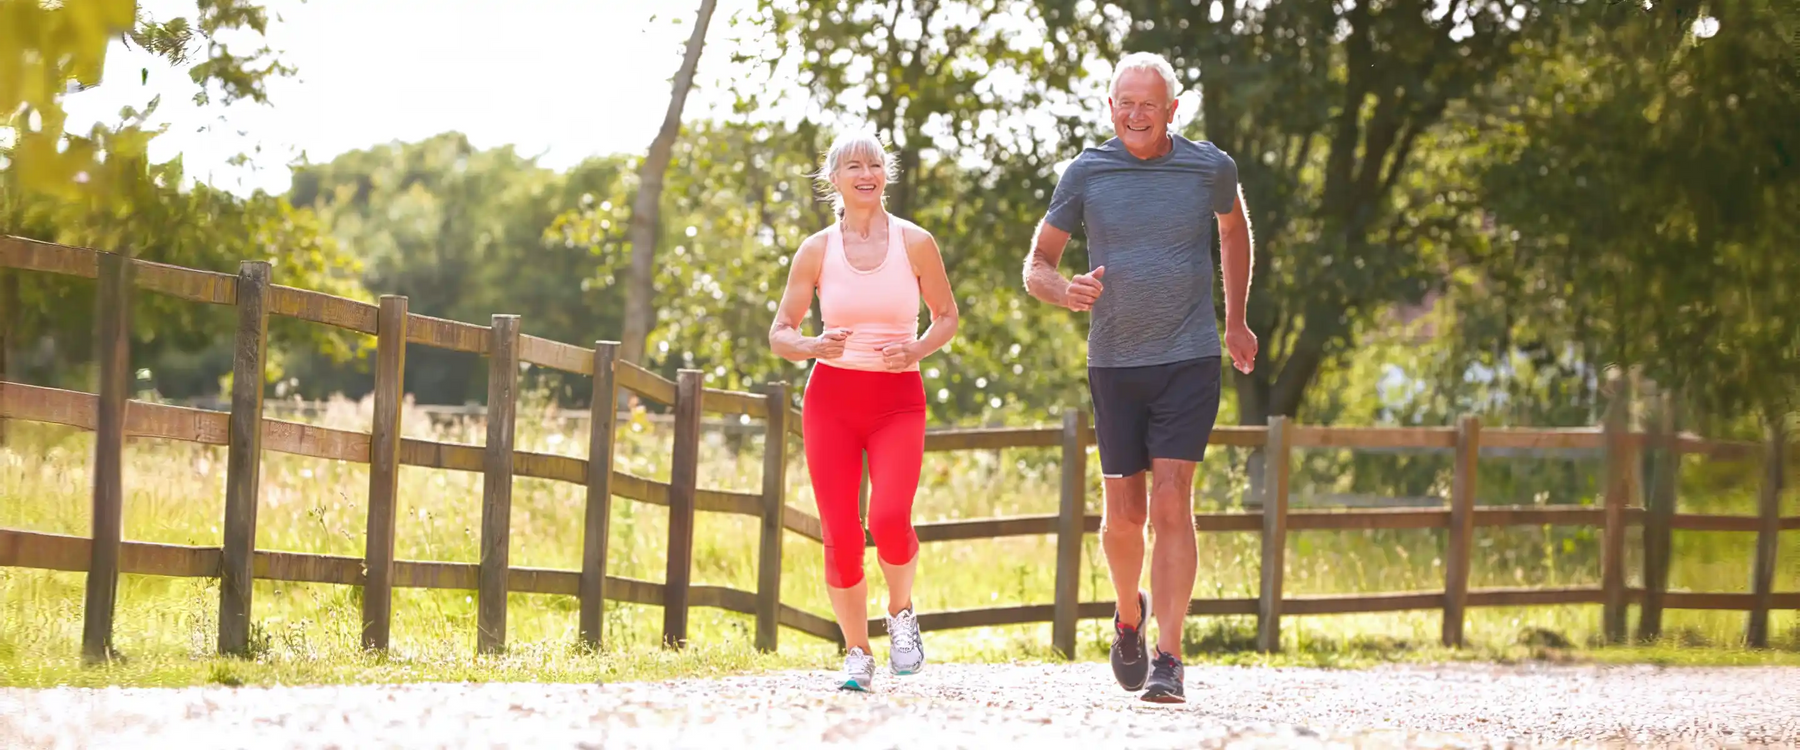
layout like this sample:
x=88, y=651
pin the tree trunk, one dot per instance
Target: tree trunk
x=646, y=219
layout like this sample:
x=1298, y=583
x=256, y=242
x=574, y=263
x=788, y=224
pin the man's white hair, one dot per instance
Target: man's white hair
x=1145, y=61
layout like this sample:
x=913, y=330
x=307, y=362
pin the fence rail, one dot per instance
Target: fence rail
x=246, y=433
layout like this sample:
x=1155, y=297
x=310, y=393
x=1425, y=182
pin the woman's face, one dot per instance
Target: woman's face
x=860, y=178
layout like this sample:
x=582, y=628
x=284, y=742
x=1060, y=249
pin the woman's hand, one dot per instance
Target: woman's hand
x=897, y=357
x=828, y=345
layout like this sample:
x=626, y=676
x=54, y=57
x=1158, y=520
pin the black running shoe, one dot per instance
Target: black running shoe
x=1165, y=681
x=1129, y=663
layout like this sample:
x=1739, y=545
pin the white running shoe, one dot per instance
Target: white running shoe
x=859, y=670
x=906, y=652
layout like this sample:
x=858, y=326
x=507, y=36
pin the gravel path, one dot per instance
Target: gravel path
x=958, y=705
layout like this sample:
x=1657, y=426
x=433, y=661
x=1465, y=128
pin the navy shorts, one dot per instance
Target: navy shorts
x=1155, y=411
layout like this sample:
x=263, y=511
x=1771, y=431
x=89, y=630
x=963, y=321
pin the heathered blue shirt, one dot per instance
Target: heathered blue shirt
x=1149, y=221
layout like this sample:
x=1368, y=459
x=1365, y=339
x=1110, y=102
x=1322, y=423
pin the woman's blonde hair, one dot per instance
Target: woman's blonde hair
x=854, y=143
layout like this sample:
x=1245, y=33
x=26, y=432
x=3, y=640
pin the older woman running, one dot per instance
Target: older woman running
x=865, y=395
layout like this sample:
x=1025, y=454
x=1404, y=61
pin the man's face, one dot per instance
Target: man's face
x=1141, y=110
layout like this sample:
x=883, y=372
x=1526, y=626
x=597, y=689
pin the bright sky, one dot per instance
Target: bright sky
x=562, y=79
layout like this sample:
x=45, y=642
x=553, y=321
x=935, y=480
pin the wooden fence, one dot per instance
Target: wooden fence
x=246, y=433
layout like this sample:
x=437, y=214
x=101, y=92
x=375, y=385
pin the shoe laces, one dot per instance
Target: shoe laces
x=857, y=661
x=1166, y=666
x=903, y=631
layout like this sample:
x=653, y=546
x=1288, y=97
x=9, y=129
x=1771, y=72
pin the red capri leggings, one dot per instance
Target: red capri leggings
x=846, y=413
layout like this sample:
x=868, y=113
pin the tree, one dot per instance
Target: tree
x=937, y=78
x=100, y=189
x=51, y=49
x=640, y=295
x=464, y=233
x=1644, y=200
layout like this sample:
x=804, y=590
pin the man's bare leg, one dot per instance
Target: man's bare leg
x=1122, y=538
x=1174, y=555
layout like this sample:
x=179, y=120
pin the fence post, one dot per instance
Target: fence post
x=1462, y=528
x=603, y=410
x=114, y=345
x=1664, y=470
x=1070, y=526
x=1762, y=579
x=384, y=471
x=9, y=312
x=243, y=467
x=1617, y=438
x=684, y=466
x=774, y=486
x=496, y=489
x=1274, y=535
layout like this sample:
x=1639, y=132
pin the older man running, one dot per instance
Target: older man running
x=1154, y=364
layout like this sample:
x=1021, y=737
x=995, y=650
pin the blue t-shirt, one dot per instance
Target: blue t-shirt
x=1149, y=221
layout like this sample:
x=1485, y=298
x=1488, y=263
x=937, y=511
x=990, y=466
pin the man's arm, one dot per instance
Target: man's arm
x=1046, y=283
x=1236, y=257
x=1042, y=279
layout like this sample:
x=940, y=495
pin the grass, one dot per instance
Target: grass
x=308, y=632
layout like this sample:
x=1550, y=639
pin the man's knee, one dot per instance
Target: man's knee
x=1172, y=497
x=1124, y=518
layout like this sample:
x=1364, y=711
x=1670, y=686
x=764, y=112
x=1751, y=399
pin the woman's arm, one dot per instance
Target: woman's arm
x=784, y=334
x=934, y=288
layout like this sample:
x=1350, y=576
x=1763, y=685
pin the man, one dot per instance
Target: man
x=1154, y=364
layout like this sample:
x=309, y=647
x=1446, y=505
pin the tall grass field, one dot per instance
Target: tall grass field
x=166, y=627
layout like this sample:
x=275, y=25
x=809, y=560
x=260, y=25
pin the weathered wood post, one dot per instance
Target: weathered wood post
x=9, y=314
x=496, y=489
x=1462, y=528
x=1663, y=469
x=1768, y=529
x=1274, y=535
x=602, y=412
x=1070, y=527
x=114, y=350
x=684, y=466
x=243, y=466
x=774, y=504
x=1619, y=460
x=384, y=472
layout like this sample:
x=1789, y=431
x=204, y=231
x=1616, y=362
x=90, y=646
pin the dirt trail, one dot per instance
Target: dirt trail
x=952, y=705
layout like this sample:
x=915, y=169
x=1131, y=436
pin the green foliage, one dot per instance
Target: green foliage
x=937, y=79
x=464, y=234
x=100, y=190
x=201, y=227
x=51, y=49
x=1648, y=179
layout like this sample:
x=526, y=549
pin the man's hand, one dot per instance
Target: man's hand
x=1242, y=345
x=1085, y=289
x=897, y=357
x=830, y=344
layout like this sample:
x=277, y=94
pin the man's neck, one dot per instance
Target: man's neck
x=1163, y=146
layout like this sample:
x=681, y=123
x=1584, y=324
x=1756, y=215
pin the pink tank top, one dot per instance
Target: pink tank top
x=879, y=307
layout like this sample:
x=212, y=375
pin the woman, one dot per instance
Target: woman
x=870, y=269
